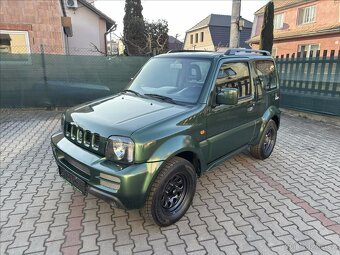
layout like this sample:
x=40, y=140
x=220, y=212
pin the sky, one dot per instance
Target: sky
x=181, y=15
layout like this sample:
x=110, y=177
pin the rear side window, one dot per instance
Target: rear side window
x=235, y=75
x=266, y=72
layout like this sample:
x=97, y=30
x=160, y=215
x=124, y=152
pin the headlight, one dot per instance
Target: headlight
x=120, y=149
x=62, y=122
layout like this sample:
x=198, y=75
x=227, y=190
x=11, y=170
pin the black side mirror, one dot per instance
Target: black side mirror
x=227, y=96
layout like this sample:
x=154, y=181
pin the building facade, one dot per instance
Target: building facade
x=26, y=26
x=213, y=33
x=301, y=26
x=89, y=28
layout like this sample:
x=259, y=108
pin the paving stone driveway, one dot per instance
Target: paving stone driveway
x=287, y=204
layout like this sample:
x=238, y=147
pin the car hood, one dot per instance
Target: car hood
x=121, y=114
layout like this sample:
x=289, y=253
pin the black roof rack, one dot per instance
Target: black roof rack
x=235, y=51
x=174, y=51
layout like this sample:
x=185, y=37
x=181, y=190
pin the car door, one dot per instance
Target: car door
x=229, y=127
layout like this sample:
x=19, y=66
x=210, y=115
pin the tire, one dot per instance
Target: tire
x=265, y=147
x=171, y=192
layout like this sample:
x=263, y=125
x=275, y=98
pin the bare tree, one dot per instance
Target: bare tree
x=96, y=49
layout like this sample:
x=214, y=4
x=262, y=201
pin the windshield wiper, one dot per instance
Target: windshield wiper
x=164, y=98
x=132, y=91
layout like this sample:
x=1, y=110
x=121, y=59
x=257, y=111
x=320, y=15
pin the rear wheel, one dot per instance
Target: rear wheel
x=171, y=193
x=265, y=147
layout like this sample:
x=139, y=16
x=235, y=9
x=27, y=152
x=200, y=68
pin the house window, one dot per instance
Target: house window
x=274, y=52
x=266, y=72
x=191, y=39
x=196, y=38
x=307, y=15
x=308, y=48
x=202, y=36
x=15, y=42
x=14, y=47
x=235, y=75
x=278, y=21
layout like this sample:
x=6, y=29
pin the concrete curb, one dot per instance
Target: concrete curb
x=333, y=120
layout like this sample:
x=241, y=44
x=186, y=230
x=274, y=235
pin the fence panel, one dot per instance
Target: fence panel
x=310, y=83
x=41, y=80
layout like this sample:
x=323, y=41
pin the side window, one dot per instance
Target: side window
x=235, y=75
x=266, y=72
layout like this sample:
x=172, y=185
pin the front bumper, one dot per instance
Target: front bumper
x=122, y=186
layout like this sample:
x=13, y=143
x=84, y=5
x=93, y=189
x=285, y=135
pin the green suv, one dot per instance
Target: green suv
x=182, y=114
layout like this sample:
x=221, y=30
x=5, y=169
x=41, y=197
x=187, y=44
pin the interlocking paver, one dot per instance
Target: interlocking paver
x=289, y=203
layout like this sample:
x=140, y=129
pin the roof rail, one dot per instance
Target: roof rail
x=174, y=51
x=235, y=51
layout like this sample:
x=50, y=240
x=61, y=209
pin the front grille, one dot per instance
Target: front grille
x=82, y=137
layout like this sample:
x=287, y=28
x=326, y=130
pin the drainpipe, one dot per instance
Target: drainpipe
x=63, y=7
x=62, y=4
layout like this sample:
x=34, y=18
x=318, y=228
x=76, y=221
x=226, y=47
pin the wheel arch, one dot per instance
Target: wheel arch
x=272, y=113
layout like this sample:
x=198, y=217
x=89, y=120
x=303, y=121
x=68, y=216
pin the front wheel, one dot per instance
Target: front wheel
x=265, y=147
x=171, y=192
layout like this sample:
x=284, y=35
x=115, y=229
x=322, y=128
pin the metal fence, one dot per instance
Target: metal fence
x=42, y=80
x=311, y=83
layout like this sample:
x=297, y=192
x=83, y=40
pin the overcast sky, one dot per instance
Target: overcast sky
x=181, y=15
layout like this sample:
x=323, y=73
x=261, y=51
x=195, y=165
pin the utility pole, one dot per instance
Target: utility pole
x=234, y=40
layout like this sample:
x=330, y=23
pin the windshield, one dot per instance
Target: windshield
x=179, y=79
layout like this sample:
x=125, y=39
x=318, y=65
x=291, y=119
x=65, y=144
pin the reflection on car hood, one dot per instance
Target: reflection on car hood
x=122, y=114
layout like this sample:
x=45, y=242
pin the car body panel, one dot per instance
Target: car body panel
x=114, y=116
x=134, y=180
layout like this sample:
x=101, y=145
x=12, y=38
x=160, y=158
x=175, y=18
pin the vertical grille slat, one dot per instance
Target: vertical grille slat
x=82, y=137
x=68, y=129
x=87, y=139
x=95, y=141
x=73, y=132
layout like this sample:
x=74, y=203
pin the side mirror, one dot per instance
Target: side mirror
x=227, y=96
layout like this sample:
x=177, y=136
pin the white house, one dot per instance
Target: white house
x=89, y=28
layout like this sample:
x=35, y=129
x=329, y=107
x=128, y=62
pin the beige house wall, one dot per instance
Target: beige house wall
x=207, y=43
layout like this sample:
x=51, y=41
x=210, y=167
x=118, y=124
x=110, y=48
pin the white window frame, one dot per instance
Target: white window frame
x=17, y=32
x=308, y=47
x=282, y=15
x=28, y=47
x=306, y=20
x=274, y=49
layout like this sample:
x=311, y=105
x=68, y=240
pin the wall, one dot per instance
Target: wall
x=327, y=13
x=327, y=42
x=41, y=18
x=221, y=37
x=207, y=43
x=87, y=28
